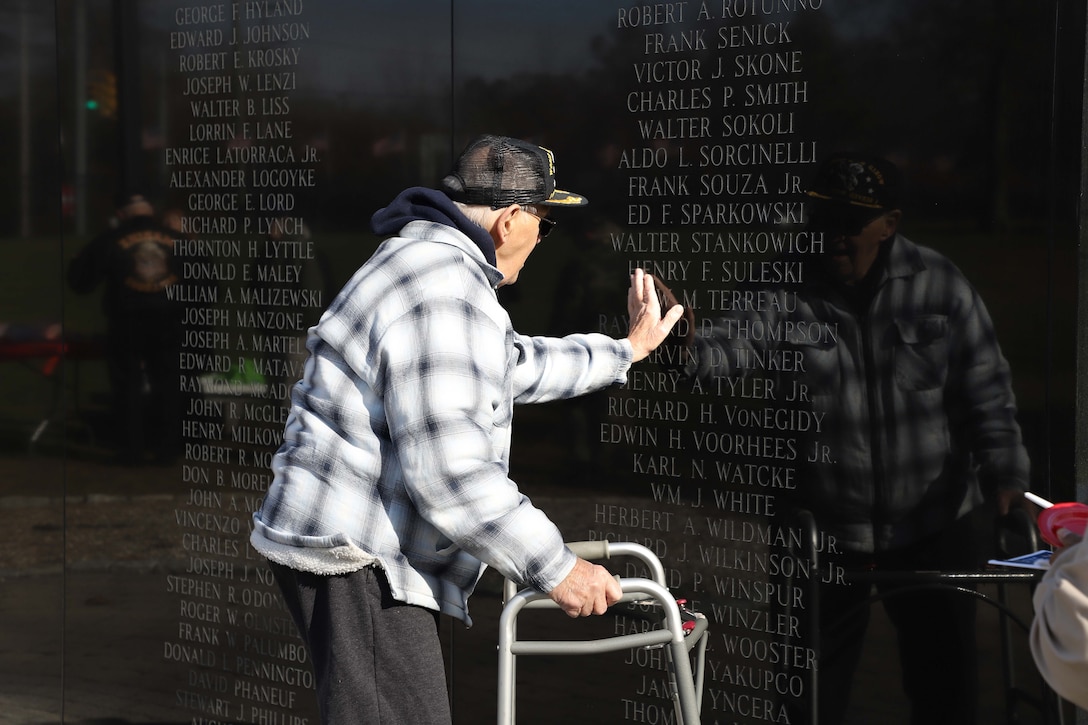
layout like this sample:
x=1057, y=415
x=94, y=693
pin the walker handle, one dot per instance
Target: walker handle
x=590, y=550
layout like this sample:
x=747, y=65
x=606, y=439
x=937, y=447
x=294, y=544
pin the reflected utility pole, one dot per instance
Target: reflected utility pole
x=24, y=118
x=126, y=51
x=80, y=106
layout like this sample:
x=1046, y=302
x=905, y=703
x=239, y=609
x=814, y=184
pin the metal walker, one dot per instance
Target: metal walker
x=680, y=632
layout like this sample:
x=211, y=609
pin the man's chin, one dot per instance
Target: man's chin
x=839, y=266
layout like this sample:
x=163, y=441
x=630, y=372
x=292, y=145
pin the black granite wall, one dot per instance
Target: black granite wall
x=267, y=132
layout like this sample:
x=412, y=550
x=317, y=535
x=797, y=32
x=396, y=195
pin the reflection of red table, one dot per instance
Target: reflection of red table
x=45, y=356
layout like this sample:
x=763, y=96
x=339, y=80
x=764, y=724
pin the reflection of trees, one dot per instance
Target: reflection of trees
x=961, y=89
x=958, y=91
x=28, y=86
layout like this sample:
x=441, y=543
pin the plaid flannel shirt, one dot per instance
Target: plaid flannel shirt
x=914, y=403
x=396, y=452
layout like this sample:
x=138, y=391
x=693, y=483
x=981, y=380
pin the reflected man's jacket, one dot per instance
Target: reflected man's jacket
x=913, y=418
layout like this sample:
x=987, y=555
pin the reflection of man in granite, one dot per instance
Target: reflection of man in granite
x=135, y=262
x=911, y=428
x=391, y=490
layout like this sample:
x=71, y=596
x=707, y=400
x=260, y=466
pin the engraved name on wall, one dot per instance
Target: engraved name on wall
x=240, y=173
x=715, y=159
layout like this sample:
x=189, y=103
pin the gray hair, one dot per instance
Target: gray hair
x=478, y=214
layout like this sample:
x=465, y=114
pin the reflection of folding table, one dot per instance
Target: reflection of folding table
x=1011, y=529
x=44, y=356
x=675, y=633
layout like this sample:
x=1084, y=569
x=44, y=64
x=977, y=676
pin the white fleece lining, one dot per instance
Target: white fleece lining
x=338, y=560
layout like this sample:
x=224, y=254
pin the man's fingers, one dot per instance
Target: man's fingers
x=588, y=589
x=649, y=292
x=673, y=315
x=613, y=593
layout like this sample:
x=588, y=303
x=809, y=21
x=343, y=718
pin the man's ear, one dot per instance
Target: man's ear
x=891, y=221
x=503, y=226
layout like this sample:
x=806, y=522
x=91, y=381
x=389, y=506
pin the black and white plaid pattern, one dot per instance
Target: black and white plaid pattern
x=397, y=448
x=914, y=399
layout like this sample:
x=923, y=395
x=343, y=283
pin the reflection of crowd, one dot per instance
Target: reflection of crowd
x=899, y=362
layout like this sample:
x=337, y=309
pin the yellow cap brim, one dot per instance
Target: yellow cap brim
x=565, y=198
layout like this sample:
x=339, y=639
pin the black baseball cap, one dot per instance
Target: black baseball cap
x=851, y=189
x=498, y=171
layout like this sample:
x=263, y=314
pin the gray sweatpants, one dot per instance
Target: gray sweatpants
x=376, y=661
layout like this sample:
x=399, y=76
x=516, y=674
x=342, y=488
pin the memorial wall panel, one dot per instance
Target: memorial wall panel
x=699, y=128
x=33, y=376
x=263, y=134
x=763, y=453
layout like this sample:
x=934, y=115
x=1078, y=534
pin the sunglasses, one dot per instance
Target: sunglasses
x=849, y=226
x=546, y=225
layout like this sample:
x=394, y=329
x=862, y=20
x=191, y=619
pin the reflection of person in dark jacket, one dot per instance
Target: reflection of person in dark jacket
x=135, y=262
x=893, y=361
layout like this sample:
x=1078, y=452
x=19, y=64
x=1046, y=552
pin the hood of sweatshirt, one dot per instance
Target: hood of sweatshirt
x=419, y=203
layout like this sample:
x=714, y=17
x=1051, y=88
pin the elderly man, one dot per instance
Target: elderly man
x=391, y=490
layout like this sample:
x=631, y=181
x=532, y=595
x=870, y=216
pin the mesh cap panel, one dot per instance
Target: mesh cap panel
x=498, y=171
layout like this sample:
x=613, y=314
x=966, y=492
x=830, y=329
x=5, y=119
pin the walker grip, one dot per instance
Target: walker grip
x=589, y=550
